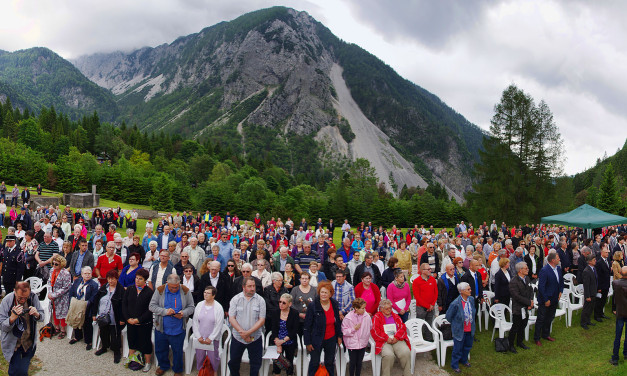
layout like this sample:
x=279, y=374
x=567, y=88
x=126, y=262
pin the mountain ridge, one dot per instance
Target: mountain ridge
x=266, y=75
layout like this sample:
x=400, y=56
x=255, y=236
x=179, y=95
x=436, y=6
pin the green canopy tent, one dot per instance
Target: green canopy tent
x=585, y=216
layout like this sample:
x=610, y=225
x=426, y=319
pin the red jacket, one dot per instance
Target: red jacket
x=379, y=335
x=425, y=292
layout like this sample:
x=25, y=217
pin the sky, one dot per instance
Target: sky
x=571, y=54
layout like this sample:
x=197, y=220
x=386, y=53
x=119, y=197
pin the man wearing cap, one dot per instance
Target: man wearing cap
x=12, y=263
x=19, y=312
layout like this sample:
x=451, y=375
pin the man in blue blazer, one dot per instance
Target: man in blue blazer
x=461, y=314
x=162, y=243
x=550, y=288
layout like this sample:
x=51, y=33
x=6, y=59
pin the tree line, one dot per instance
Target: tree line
x=168, y=172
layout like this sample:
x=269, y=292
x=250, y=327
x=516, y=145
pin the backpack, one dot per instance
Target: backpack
x=135, y=361
x=206, y=369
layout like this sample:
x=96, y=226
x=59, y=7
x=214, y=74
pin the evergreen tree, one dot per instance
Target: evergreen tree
x=608, y=197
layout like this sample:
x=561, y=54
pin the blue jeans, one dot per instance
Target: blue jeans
x=620, y=323
x=328, y=345
x=255, y=352
x=163, y=342
x=461, y=349
x=20, y=361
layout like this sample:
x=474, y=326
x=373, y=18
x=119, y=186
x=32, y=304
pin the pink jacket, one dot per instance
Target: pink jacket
x=356, y=339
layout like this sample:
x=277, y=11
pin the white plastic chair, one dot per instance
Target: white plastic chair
x=568, y=279
x=383, y=294
x=485, y=308
x=36, y=284
x=412, y=308
x=369, y=356
x=245, y=358
x=191, y=344
x=497, y=312
x=307, y=358
x=576, y=301
x=297, y=363
x=437, y=323
x=418, y=343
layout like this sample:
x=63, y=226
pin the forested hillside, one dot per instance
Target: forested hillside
x=169, y=173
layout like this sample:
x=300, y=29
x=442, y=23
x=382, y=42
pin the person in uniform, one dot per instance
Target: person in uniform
x=13, y=264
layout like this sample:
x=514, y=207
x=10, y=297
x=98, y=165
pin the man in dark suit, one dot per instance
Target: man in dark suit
x=521, y=294
x=164, y=238
x=218, y=280
x=550, y=288
x=473, y=278
x=589, y=281
x=582, y=263
x=564, y=259
x=447, y=288
x=620, y=300
x=604, y=270
x=368, y=266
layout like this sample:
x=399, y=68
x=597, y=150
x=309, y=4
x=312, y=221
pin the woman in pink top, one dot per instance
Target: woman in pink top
x=397, y=292
x=356, y=328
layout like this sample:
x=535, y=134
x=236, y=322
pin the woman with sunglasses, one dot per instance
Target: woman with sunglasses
x=232, y=270
x=207, y=328
x=59, y=287
x=284, y=325
x=191, y=281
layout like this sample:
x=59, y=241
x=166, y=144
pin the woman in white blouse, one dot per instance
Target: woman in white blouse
x=207, y=325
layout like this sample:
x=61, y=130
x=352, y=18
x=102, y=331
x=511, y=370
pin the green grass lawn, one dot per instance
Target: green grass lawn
x=575, y=352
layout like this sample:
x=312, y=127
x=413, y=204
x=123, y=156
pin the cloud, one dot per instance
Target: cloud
x=572, y=54
x=433, y=23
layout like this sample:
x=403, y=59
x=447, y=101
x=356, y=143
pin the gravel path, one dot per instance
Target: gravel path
x=58, y=357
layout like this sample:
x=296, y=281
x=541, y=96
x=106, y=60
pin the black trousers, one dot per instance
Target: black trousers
x=544, y=320
x=86, y=331
x=110, y=335
x=356, y=358
x=599, y=305
x=586, y=312
x=517, y=333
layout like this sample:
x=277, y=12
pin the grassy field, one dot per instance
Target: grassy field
x=575, y=352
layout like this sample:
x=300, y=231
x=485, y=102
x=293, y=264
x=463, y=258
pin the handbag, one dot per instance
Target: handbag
x=447, y=332
x=282, y=362
x=104, y=319
x=501, y=344
x=206, y=369
x=76, y=313
x=322, y=371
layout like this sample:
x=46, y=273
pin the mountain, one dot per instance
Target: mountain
x=276, y=84
x=38, y=77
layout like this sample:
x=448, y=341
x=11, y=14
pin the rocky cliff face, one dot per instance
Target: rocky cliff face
x=280, y=70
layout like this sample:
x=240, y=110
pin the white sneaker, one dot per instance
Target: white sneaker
x=147, y=367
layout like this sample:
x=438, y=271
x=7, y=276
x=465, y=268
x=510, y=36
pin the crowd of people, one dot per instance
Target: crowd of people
x=292, y=280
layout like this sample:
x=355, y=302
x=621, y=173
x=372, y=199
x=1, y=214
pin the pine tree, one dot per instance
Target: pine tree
x=608, y=197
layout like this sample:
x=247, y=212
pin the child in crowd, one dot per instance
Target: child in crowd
x=356, y=330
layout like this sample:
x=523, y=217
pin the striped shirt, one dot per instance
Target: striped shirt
x=47, y=250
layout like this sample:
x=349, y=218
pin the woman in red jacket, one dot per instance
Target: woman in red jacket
x=369, y=292
x=390, y=337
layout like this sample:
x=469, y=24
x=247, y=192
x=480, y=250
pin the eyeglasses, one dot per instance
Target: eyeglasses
x=187, y=271
x=184, y=256
x=55, y=264
x=246, y=271
x=282, y=302
x=230, y=266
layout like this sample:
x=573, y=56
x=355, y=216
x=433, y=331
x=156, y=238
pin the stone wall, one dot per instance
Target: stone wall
x=146, y=214
x=80, y=200
x=37, y=201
